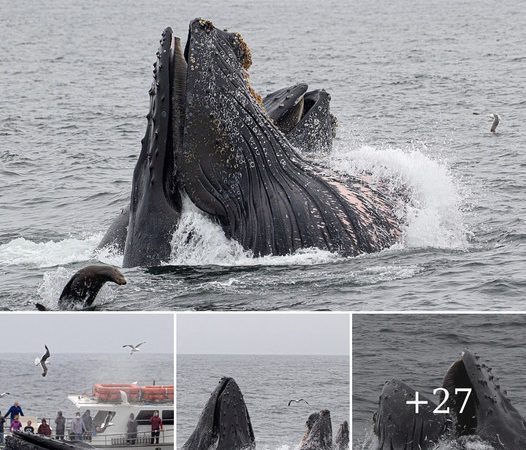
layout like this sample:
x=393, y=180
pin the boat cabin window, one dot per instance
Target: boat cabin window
x=102, y=420
x=144, y=416
x=168, y=417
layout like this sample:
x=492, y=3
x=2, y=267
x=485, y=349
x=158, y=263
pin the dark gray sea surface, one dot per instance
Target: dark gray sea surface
x=412, y=85
x=73, y=374
x=419, y=349
x=267, y=382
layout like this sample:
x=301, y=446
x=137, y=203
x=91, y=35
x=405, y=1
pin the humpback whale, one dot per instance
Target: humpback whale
x=84, y=285
x=341, y=440
x=487, y=412
x=224, y=423
x=318, y=435
x=241, y=159
x=22, y=441
x=396, y=424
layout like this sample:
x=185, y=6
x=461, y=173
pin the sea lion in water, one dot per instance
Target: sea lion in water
x=83, y=287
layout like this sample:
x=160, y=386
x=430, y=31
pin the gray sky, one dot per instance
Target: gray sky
x=85, y=332
x=253, y=334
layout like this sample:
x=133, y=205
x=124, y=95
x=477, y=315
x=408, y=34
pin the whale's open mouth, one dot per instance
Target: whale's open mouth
x=457, y=377
x=241, y=160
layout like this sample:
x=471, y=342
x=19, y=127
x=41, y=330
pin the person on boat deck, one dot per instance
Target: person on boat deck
x=2, y=423
x=29, y=428
x=77, y=427
x=15, y=410
x=44, y=429
x=15, y=425
x=132, y=430
x=157, y=427
x=87, y=420
x=60, y=422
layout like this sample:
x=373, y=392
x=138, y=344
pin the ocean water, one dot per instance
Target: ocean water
x=70, y=374
x=267, y=382
x=418, y=349
x=412, y=86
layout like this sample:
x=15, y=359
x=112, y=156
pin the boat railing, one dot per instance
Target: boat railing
x=140, y=438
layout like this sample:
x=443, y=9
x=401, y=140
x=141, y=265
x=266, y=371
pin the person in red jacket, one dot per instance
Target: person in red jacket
x=157, y=427
x=44, y=429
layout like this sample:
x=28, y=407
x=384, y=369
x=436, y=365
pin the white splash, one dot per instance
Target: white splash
x=200, y=241
x=434, y=217
x=21, y=251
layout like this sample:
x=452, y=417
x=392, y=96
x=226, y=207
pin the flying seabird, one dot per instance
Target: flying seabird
x=3, y=394
x=134, y=348
x=297, y=401
x=496, y=120
x=42, y=361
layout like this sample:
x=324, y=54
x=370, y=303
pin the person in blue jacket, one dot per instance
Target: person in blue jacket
x=14, y=411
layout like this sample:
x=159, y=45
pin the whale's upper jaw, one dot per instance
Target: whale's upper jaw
x=224, y=423
x=488, y=412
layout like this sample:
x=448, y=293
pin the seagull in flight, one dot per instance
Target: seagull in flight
x=297, y=401
x=134, y=348
x=3, y=394
x=496, y=120
x=42, y=361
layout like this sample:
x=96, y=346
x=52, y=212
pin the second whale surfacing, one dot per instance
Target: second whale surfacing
x=487, y=414
x=241, y=160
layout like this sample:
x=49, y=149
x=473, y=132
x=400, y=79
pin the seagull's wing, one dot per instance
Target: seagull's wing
x=303, y=400
x=138, y=345
x=46, y=355
x=290, y=401
x=44, y=368
x=127, y=345
x=37, y=361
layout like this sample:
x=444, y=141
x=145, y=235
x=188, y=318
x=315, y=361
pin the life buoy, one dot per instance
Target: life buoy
x=111, y=392
x=157, y=393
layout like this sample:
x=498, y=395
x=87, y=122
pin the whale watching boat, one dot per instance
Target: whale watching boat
x=110, y=406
